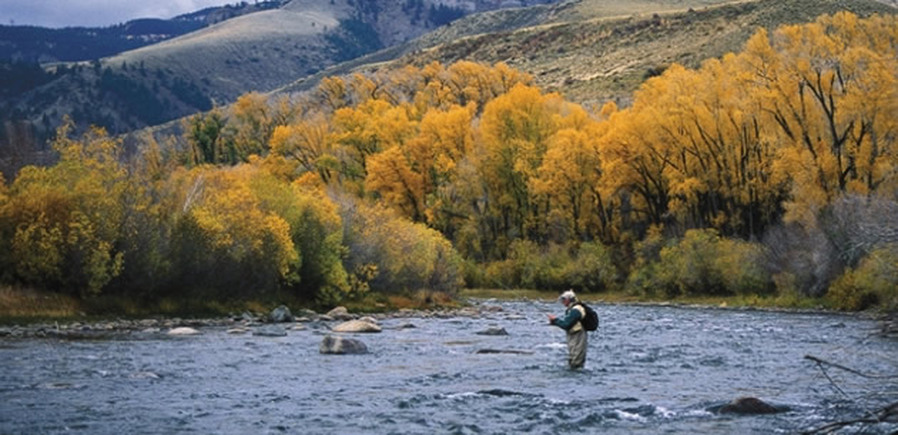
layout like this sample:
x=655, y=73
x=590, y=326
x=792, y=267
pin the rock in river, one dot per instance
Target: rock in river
x=270, y=331
x=184, y=330
x=333, y=344
x=280, y=314
x=495, y=330
x=357, y=326
x=749, y=406
x=339, y=313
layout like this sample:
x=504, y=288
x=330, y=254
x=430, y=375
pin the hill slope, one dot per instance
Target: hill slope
x=593, y=51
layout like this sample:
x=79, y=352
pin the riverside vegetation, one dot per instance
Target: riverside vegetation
x=765, y=174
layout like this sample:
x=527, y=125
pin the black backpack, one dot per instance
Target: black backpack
x=591, y=321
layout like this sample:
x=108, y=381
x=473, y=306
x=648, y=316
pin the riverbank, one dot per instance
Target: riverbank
x=29, y=313
x=92, y=328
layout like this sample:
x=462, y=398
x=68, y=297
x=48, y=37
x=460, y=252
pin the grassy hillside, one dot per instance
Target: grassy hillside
x=593, y=51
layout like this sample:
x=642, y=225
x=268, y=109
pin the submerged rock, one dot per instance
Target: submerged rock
x=509, y=351
x=748, y=406
x=358, y=326
x=493, y=331
x=333, y=344
x=270, y=331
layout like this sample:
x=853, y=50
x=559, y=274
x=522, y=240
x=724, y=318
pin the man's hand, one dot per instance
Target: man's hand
x=551, y=318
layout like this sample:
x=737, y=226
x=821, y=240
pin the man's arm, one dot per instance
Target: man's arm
x=568, y=321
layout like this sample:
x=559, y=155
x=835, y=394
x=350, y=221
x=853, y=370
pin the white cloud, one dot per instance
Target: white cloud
x=95, y=13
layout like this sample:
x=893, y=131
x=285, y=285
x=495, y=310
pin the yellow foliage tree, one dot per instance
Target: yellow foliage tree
x=411, y=175
x=305, y=143
x=829, y=93
x=362, y=131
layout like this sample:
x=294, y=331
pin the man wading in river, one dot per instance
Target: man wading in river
x=576, y=334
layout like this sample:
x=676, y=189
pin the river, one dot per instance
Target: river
x=650, y=369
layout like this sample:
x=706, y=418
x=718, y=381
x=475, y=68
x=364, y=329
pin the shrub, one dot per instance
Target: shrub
x=62, y=223
x=702, y=263
x=874, y=282
x=406, y=256
x=592, y=269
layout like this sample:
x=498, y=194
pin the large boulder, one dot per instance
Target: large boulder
x=334, y=344
x=280, y=314
x=360, y=325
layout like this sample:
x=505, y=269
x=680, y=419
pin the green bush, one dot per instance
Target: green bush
x=587, y=267
x=592, y=269
x=874, y=282
x=702, y=263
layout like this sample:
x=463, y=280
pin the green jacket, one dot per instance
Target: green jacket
x=571, y=320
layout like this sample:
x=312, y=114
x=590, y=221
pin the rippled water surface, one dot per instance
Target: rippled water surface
x=649, y=370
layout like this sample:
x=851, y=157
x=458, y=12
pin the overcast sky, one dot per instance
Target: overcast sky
x=95, y=13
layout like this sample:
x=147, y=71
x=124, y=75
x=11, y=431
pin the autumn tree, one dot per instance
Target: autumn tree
x=569, y=179
x=391, y=254
x=412, y=176
x=514, y=133
x=717, y=165
x=828, y=91
x=307, y=143
x=360, y=132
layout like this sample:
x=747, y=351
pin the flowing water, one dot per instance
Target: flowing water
x=650, y=369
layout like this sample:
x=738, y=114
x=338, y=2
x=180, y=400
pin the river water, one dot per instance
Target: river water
x=650, y=369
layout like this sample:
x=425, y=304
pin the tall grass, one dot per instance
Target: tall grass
x=24, y=303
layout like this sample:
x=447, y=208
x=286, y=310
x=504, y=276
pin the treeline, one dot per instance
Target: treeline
x=770, y=171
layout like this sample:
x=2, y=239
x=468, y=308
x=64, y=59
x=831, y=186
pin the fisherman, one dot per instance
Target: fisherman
x=576, y=334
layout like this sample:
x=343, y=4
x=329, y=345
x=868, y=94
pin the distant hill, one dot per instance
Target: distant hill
x=30, y=44
x=176, y=77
